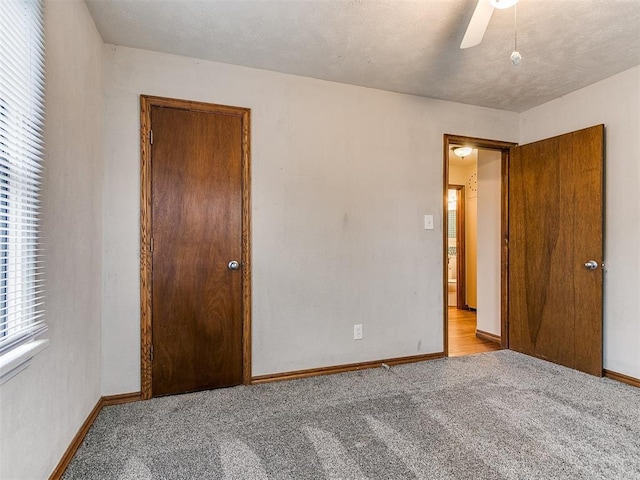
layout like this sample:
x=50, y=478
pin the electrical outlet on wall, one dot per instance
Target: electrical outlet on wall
x=357, y=332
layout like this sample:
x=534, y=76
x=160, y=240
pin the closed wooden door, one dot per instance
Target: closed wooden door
x=196, y=228
x=555, y=228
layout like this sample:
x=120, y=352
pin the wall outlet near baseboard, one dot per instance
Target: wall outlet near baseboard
x=357, y=332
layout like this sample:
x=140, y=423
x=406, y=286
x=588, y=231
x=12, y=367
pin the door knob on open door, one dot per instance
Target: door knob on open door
x=591, y=264
x=233, y=265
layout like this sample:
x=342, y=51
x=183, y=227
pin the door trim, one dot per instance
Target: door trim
x=146, y=103
x=504, y=148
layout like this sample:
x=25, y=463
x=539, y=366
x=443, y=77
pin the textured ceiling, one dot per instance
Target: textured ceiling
x=402, y=46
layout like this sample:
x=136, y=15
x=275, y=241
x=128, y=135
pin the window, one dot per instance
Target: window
x=21, y=152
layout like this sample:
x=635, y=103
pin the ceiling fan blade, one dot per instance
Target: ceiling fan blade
x=478, y=24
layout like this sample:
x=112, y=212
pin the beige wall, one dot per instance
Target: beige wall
x=342, y=177
x=42, y=408
x=457, y=174
x=488, y=238
x=471, y=234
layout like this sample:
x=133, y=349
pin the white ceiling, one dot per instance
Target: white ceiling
x=397, y=45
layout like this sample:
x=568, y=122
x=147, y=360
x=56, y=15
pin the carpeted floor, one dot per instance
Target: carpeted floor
x=498, y=415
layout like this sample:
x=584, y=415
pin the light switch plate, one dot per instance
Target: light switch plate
x=428, y=222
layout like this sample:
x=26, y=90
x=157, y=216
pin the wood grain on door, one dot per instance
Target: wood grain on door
x=196, y=190
x=556, y=213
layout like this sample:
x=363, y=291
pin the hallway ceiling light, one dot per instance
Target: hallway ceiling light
x=462, y=151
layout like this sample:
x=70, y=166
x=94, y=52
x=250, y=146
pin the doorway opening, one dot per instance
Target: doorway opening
x=456, y=259
x=474, y=256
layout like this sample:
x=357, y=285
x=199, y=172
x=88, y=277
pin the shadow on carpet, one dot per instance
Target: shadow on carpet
x=498, y=415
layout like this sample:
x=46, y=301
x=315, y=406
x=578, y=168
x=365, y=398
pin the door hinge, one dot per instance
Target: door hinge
x=151, y=245
x=151, y=353
x=151, y=137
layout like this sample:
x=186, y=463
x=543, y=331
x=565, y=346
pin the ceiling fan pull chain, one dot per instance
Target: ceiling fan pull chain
x=515, y=57
x=515, y=26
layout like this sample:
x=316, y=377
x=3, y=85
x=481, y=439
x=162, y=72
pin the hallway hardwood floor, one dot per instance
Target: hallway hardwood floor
x=462, y=334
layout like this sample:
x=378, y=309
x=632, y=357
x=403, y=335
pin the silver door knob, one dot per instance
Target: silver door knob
x=233, y=265
x=591, y=265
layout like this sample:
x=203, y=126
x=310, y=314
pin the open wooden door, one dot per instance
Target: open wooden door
x=556, y=194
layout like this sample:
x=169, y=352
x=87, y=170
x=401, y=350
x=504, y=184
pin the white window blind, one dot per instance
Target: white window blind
x=21, y=152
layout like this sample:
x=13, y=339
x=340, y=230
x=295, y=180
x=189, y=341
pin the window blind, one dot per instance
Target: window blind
x=21, y=153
